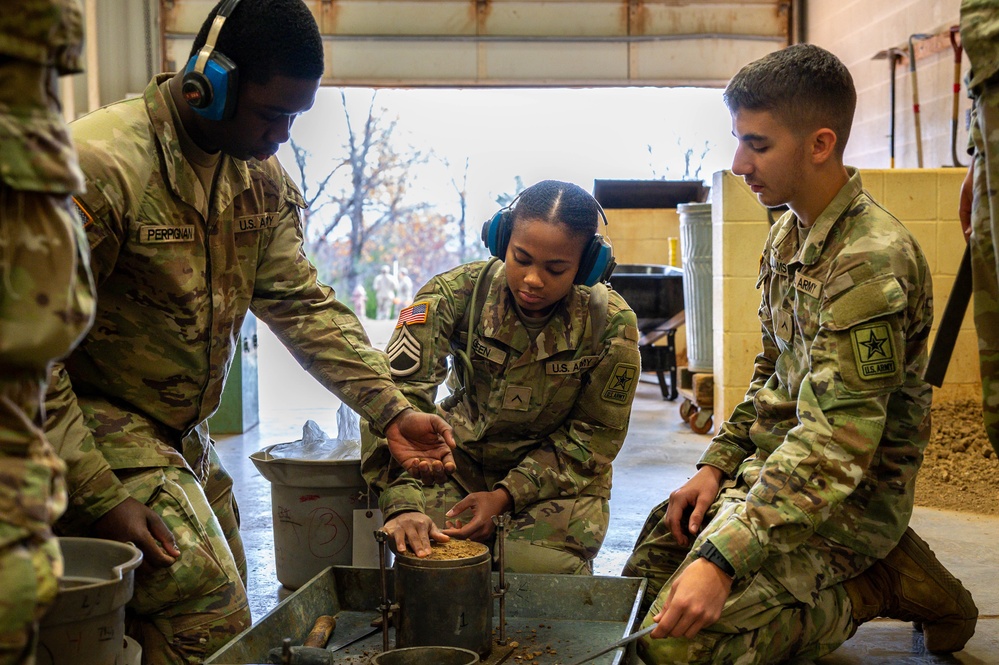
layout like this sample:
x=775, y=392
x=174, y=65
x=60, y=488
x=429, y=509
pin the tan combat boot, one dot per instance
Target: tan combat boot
x=912, y=585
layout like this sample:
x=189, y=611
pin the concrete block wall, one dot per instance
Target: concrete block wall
x=925, y=200
x=855, y=30
x=641, y=235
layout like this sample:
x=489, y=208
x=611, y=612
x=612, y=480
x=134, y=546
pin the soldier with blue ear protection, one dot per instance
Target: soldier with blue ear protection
x=192, y=223
x=544, y=364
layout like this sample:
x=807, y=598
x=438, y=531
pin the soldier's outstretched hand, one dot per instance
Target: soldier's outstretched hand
x=422, y=444
x=483, y=506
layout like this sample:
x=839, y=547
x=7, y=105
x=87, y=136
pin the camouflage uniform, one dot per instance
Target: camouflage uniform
x=821, y=457
x=45, y=300
x=543, y=419
x=980, y=37
x=175, y=277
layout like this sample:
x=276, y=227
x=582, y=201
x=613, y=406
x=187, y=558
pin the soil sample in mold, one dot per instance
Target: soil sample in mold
x=451, y=550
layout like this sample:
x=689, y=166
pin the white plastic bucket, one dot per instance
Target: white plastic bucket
x=313, y=504
x=86, y=624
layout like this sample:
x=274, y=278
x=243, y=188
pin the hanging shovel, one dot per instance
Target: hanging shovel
x=958, y=49
x=915, y=96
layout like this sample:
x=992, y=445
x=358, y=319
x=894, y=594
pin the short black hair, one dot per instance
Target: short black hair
x=268, y=37
x=805, y=87
x=559, y=203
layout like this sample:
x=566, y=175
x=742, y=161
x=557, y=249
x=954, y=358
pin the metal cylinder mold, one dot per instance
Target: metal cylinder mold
x=426, y=655
x=445, y=602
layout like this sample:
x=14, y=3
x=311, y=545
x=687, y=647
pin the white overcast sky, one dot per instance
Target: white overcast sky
x=568, y=134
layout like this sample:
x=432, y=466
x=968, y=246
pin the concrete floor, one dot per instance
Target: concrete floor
x=658, y=456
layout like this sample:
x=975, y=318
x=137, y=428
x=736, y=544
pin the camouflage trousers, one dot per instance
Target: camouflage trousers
x=32, y=496
x=184, y=613
x=560, y=536
x=984, y=257
x=795, y=606
x=29, y=575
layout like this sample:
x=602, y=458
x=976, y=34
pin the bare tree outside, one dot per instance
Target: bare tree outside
x=357, y=207
x=691, y=167
x=461, y=190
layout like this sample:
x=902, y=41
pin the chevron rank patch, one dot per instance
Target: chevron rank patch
x=517, y=398
x=873, y=350
x=620, y=383
x=404, y=353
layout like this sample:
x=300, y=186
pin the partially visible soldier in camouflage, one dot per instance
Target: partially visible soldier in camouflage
x=541, y=408
x=979, y=209
x=192, y=222
x=45, y=300
x=793, y=531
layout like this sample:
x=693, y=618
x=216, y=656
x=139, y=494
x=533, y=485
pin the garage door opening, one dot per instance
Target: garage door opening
x=459, y=155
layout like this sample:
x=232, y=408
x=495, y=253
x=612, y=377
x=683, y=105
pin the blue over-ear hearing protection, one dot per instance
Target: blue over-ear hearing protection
x=210, y=78
x=595, y=266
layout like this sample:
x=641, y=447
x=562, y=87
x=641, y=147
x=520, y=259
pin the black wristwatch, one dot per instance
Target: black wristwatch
x=710, y=553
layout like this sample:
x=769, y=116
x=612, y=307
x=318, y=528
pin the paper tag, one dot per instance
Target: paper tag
x=364, y=546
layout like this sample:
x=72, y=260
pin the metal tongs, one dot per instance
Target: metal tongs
x=620, y=643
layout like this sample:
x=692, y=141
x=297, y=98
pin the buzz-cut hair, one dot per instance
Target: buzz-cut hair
x=805, y=88
x=268, y=37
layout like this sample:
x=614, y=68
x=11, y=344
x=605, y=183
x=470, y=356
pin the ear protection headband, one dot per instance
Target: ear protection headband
x=595, y=266
x=210, y=78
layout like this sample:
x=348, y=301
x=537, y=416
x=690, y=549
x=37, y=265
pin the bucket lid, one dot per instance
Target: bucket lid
x=693, y=208
x=308, y=472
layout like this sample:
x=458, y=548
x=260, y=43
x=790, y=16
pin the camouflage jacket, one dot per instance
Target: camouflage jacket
x=175, y=277
x=980, y=39
x=548, y=417
x=833, y=428
x=36, y=153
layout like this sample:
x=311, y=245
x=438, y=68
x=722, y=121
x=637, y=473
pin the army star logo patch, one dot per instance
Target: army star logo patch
x=404, y=353
x=620, y=383
x=873, y=350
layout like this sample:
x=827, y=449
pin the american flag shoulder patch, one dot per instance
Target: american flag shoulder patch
x=414, y=314
x=85, y=216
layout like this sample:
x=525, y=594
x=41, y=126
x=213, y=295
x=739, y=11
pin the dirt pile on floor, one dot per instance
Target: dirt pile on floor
x=960, y=470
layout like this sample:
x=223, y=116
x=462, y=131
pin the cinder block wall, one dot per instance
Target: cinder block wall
x=641, y=235
x=925, y=200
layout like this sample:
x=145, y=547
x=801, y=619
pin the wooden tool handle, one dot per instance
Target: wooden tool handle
x=321, y=631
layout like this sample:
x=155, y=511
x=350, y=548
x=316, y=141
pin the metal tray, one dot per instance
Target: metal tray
x=554, y=618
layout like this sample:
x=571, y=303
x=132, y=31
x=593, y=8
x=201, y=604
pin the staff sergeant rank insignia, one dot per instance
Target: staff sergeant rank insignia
x=620, y=383
x=404, y=353
x=873, y=350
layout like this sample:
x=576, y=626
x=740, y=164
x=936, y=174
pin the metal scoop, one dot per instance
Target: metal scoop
x=620, y=643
